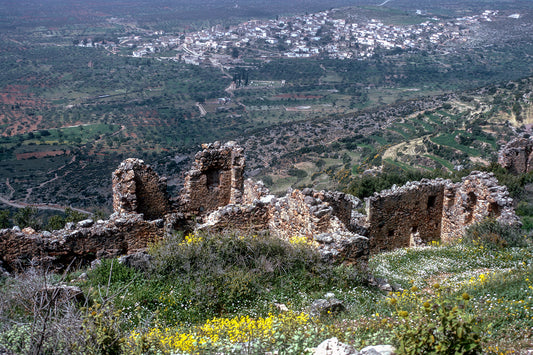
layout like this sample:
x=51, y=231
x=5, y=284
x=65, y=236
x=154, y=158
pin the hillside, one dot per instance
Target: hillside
x=77, y=100
x=227, y=267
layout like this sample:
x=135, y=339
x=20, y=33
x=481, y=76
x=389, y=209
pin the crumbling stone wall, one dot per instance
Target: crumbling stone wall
x=138, y=189
x=301, y=213
x=77, y=244
x=416, y=213
x=215, y=180
x=420, y=212
x=475, y=198
x=343, y=206
x=248, y=218
x=405, y=216
x=253, y=191
x=297, y=214
x=517, y=155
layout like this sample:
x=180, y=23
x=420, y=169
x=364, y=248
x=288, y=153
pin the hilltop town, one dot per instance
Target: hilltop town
x=331, y=34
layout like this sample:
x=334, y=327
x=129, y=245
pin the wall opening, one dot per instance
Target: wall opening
x=470, y=205
x=213, y=178
x=494, y=210
x=431, y=201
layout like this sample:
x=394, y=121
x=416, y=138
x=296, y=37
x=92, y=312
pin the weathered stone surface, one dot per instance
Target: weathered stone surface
x=345, y=247
x=254, y=190
x=63, y=247
x=475, y=198
x=420, y=212
x=300, y=213
x=253, y=217
x=330, y=305
x=141, y=261
x=343, y=206
x=334, y=347
x=215, y=180
x=517, y=155
x=405, y=216
x=138, y=189
x=378, y=350
x=305, y=214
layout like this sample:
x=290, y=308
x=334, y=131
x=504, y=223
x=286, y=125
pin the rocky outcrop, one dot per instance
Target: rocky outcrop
x=475, y=198
x=215, y=180
x=517, y=155
x=138, y=189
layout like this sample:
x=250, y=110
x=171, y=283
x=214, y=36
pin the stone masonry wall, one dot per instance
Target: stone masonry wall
x=343, y=205
x=517, y=155
x=475, y=198
x=297, y=214
x=416, y=213
x=301, y=213
x=77, y=244
x=138, y=189
x=405, y=216
x=215, y=180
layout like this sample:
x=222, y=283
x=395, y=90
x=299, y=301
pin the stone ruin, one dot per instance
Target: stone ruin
x=138, y=189
x=216, y=197
x=517, y=155
x=435, y=210
x=216, y=178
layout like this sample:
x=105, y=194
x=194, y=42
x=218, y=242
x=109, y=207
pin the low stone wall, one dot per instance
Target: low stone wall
x=78, y=243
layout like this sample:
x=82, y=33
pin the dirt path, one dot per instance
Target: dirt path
x=11, y=189
x=41, y=206
x=30, y=190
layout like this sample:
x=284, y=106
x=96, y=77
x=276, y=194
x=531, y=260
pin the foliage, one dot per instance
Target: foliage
x=5, y=216
x=492, y=234
x=34, y=320
x=102, y=330
x=27, y=217
x=365, y=185
x=59, y=221
x=437, y=326
x=290, y=332
x=196, y=276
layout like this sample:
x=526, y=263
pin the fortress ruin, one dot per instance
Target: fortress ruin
x=216, y=197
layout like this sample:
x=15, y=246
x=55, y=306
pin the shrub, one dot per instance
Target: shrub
x=437, y=326
x=492, y=234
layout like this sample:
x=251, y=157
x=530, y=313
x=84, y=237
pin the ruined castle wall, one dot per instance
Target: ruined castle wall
x=138, y=189
x=215, y=180
x=300, y=213
x=77, y=244
x=475, y=198
x=343, y=205
x=517, y=156
x=406, y=216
